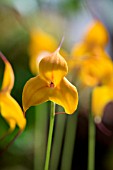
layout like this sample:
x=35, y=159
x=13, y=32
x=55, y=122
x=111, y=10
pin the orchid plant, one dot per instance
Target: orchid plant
x=51, y=84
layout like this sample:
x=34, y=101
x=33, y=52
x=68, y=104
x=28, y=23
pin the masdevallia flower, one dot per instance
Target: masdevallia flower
x=94, y=66
x=9, y=108
x=51, y=84
x=89, y=58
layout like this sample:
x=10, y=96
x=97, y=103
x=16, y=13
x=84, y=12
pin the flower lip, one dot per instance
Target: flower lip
x=52, y=85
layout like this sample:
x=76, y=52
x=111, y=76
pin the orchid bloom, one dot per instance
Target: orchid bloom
x=41, y=43
x=51, y=84
x=89, y=58
x=98, y=73
x=9, y=108
x=95, y=68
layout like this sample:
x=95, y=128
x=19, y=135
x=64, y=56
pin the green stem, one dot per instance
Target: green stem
x=58, y=140
x=40, y=135
x=91, y=139
x=52, y=117
x=69, y=142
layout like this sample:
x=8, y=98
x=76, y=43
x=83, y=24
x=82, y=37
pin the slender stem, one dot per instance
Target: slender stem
x=52, y=117
x=11, y=142
x=5, y=135
x=40, y=136
x=58, y=140
x=91, y=139
x=69, y=142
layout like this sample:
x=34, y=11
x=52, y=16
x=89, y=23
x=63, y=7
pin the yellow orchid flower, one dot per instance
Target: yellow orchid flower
x=41, y=43
x=51, y=84
x=94, y=66
x=89, y=59
x=9, y=108
x=97, y=72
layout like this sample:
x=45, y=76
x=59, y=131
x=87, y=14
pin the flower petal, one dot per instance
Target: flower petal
x=79, y=53
x=65, y=95
x=41, y=41
x=8, y=78
x=101, y=96
x=35, y=91
x=96, y=34
x=97, y=70
x=11, y=111
x=53, y=68
x=34, y=61
x=79, y=50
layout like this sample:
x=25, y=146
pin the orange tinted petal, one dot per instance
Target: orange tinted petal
x=101, y=96
x=65, y=95
x=79, y=53
x=96, y=34
x=79, y=50
x=41, y=41
x=8, y=78
x=34, y=61
x=11, y=111
x=64, y=53
x=97, y=70
x=53, y=68
x=35, y=91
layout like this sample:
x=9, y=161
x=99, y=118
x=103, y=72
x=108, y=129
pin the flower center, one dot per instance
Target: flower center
x=51, y=85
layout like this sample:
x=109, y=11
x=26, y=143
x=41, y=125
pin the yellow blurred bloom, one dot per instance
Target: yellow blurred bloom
x=51, y=84
x=98, y=73
x=41, y=43
x=94, y=66
x=9, y=108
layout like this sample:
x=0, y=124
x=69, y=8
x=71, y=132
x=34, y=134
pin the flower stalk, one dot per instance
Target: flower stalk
x=91, y=139
x=51, y=126
x=40, y=136
x=69, y=142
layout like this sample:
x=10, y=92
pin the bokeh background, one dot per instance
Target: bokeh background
x=68, y=18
